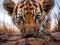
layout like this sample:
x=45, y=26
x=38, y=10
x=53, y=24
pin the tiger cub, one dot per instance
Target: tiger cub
x=30, y=16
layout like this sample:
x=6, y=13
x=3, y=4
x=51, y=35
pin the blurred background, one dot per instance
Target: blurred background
x=55, y=14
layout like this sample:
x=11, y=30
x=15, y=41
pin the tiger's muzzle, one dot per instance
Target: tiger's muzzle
x=29, y=30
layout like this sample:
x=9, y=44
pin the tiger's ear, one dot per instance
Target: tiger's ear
x=9, y=6
x=47, y=5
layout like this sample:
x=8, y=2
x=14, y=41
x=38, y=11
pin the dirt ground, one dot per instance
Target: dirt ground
x=8, y=39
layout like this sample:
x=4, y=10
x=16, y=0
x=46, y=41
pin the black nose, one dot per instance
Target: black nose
x=27, y=35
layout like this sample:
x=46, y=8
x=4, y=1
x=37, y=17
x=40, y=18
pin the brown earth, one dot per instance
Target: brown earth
x=8, y=39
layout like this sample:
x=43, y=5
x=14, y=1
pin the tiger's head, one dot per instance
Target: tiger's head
x=28, y=15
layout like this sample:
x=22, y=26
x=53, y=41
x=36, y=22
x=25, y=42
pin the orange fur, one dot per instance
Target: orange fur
x=28, y=8
x=7, y=30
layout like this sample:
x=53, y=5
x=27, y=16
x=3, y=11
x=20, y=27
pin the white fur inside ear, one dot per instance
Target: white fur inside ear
x=6, y=19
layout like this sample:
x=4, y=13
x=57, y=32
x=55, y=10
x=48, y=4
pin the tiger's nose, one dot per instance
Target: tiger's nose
x=28, y=29
x=29, y=35
x=28, y=32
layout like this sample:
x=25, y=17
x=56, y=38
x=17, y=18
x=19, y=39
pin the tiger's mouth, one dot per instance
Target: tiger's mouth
x=32, y=33
x=35, y=33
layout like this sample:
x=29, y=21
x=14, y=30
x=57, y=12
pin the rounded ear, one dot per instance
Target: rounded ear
x=9, y=6
x=47, y=5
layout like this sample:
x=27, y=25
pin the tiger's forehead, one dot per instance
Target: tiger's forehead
x=29, y=5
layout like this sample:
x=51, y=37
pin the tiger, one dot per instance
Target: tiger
x=30, y=16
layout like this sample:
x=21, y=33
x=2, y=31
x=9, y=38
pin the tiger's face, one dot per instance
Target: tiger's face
x=28, y=15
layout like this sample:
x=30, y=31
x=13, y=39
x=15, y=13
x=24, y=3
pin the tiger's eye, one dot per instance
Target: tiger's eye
x=20, y=19
x=37, y=17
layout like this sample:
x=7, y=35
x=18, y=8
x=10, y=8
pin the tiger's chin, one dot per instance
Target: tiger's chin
x=35, y=33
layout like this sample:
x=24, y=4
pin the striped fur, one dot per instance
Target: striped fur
x=24, y=15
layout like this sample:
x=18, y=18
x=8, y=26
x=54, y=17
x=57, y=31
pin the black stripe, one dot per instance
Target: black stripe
x=33, y=1
x=30, y=4
x=27, y=2
x=34, y=4
x=40, y=8
x=31, y=8
x=26, y=8
x=16, y=10
x=22, y=1
x=21, y=5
